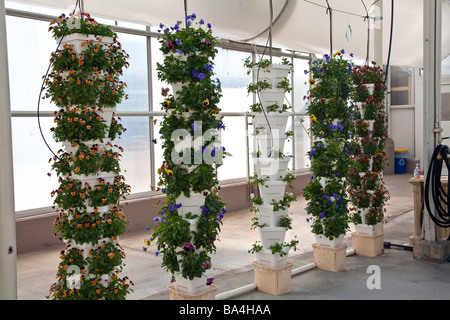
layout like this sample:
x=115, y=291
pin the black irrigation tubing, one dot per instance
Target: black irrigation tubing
x=433, y=184
x=77, y=4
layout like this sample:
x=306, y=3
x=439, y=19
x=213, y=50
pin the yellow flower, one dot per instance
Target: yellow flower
x=313, y=118
x=311, y=81
x=205, y=102
x=169, y=172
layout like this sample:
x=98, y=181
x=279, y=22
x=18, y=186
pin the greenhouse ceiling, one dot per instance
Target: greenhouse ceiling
x=299, y=25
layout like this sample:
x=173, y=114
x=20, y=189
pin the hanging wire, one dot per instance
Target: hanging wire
x=268, y=43
x=367, y=18
x=330, y=11
x=77, y=4
x=390, y=42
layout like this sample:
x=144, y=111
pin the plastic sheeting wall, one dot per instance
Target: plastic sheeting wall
x=301, y=25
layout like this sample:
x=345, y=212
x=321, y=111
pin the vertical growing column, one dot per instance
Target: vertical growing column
x=85, y=87
x=189, y=223
x=366, y=187
x=270, y=116
x=331, y=127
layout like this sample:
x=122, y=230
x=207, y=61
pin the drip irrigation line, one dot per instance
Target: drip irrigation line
x=368, y=32
x=268, y=42
x=390, y=42
x=77, y=4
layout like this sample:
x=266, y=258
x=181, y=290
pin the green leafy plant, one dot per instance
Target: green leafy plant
x=85, y=86
x=331, y=128
x=186, y=241
x=366, y=186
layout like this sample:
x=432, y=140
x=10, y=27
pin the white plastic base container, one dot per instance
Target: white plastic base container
x=323, y=241
x=267, y=259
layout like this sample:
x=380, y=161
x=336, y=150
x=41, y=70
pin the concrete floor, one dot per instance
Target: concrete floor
x=402, y=276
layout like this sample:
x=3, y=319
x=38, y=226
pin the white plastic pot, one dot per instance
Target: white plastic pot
x=271, y=235
x=272, y=123
x=368, y=230
x=273, y=168
x=273, y=74
x=194, y=286
x=270, y=97
x=266, y=216
x=269, y=145
x=92, y=179
x=267, y=259
x=191, y=204
x=321, y=240
x=79, y=40
x=272, y=190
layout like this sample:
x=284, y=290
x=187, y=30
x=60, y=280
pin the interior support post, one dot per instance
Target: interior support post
x=432, y=27
x=8, y=272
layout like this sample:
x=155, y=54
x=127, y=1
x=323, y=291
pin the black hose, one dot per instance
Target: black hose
x=388, y=245
x=434, y=190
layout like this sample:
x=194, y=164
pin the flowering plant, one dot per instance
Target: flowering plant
x=262, y=68
x=90, y=73
x=78, y=23
x=366, y=186
x=84, y=85
x=192, y=150
x=331, y=128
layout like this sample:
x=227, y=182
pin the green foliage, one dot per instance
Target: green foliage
x=330, y=154
x=85, y=87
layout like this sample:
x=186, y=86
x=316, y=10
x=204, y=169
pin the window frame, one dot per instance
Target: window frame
x=151, y=113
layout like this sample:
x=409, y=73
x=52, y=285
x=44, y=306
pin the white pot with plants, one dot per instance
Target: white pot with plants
x=273, y=122
x=336, y=242
x=266, y=258
x=364, y=228
x=274, y=73
x=273, y=168
x=271, y=144
x=195, y=286
x=267, y=217
x=272, y=190
x=191, y=204
x=271, y=235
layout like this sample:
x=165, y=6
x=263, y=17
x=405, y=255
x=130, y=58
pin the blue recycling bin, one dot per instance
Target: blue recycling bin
x=400, y=160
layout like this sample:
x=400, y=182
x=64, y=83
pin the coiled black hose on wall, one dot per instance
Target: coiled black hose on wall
x=433, y=187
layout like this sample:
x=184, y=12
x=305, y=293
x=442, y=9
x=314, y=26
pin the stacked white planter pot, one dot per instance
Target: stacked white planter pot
x=271, y=166
x=90, y=219
x=330, y=155
x=367, y=190
x=370, y=181
x=189, y=221
x=272, y=269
